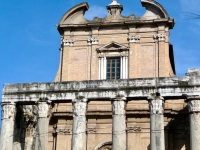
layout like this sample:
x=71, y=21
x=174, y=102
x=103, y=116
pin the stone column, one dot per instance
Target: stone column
x=43, y=124
x=194, y=112
x=119, y=123
x=157, y=139
x=7, y=129
x=79, y=123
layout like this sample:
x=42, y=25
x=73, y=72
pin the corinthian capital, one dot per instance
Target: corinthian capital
x=118, y=105
x=79, y=106
x=44, y=109
x=8, y=110
x=156, y=103
x=194, y=105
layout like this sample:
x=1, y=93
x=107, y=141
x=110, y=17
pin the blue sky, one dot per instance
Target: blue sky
x=29, y=45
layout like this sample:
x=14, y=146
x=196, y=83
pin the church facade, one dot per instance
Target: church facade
x=116, y=88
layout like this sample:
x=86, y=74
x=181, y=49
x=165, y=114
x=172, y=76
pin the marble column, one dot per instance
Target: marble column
x=7, y=129
x=79, y=123
x=119, y=123
x=194, y=115
x=157, y=139
x=43, y=124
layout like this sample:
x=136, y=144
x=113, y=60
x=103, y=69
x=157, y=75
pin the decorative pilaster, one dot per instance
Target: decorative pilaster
x=119, y=123
x=102, y=66
x=194, y=115
x=79, y=123
x=124, y=65
x=156, y=103
x=7, y=130
x=43, y=123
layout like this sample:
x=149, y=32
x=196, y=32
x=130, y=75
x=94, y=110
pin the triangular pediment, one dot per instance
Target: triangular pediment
x=112, y=46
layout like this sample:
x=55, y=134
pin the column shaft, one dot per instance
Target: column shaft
x=194, y=110
x=157, y=139
x=42, y=125
x=79, y=124
x=119, y=124
x=7, y=129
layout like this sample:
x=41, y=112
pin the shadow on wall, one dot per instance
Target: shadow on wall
x=177, y=134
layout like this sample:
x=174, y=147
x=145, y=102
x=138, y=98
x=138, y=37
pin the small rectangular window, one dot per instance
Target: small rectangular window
x=113, y=68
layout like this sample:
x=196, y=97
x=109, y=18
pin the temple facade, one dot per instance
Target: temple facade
x=116, y=89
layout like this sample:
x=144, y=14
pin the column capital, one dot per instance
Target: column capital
x=119, y=97
x=156, y=103
x=134, y=39
x=118, y=105
x=193, y=104
x=68, y=42
x=159, y=37
x=8, y=110
x=43, y=109
x=92, y=41
x=79, y=106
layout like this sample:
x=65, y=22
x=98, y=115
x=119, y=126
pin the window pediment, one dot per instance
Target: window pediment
x=113, y=46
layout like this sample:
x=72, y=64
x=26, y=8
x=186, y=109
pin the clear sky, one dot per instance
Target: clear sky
x=29, y=44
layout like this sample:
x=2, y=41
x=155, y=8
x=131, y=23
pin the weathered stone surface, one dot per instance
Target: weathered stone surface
x=119, y=123
x=79, y=123
x=156, y=122
x=7, y=128
x=174, y=87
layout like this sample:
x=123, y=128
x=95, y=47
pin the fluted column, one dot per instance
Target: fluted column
x=7, y=131
x=79, y=123
x=119, y=123
x=43, y=124
x=157, y=139
x=194, y=115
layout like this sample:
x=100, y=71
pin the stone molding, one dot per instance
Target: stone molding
x=156, y=104
x=91, y=130
x=118, y=105
x=159, y=37
x=63, y=131
x=92, y=41
x=68, y=42
x=134, y=39
x=43, y=109
x=79, y=106
x=8, y=110
x=194, y=105
x=134, y=129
